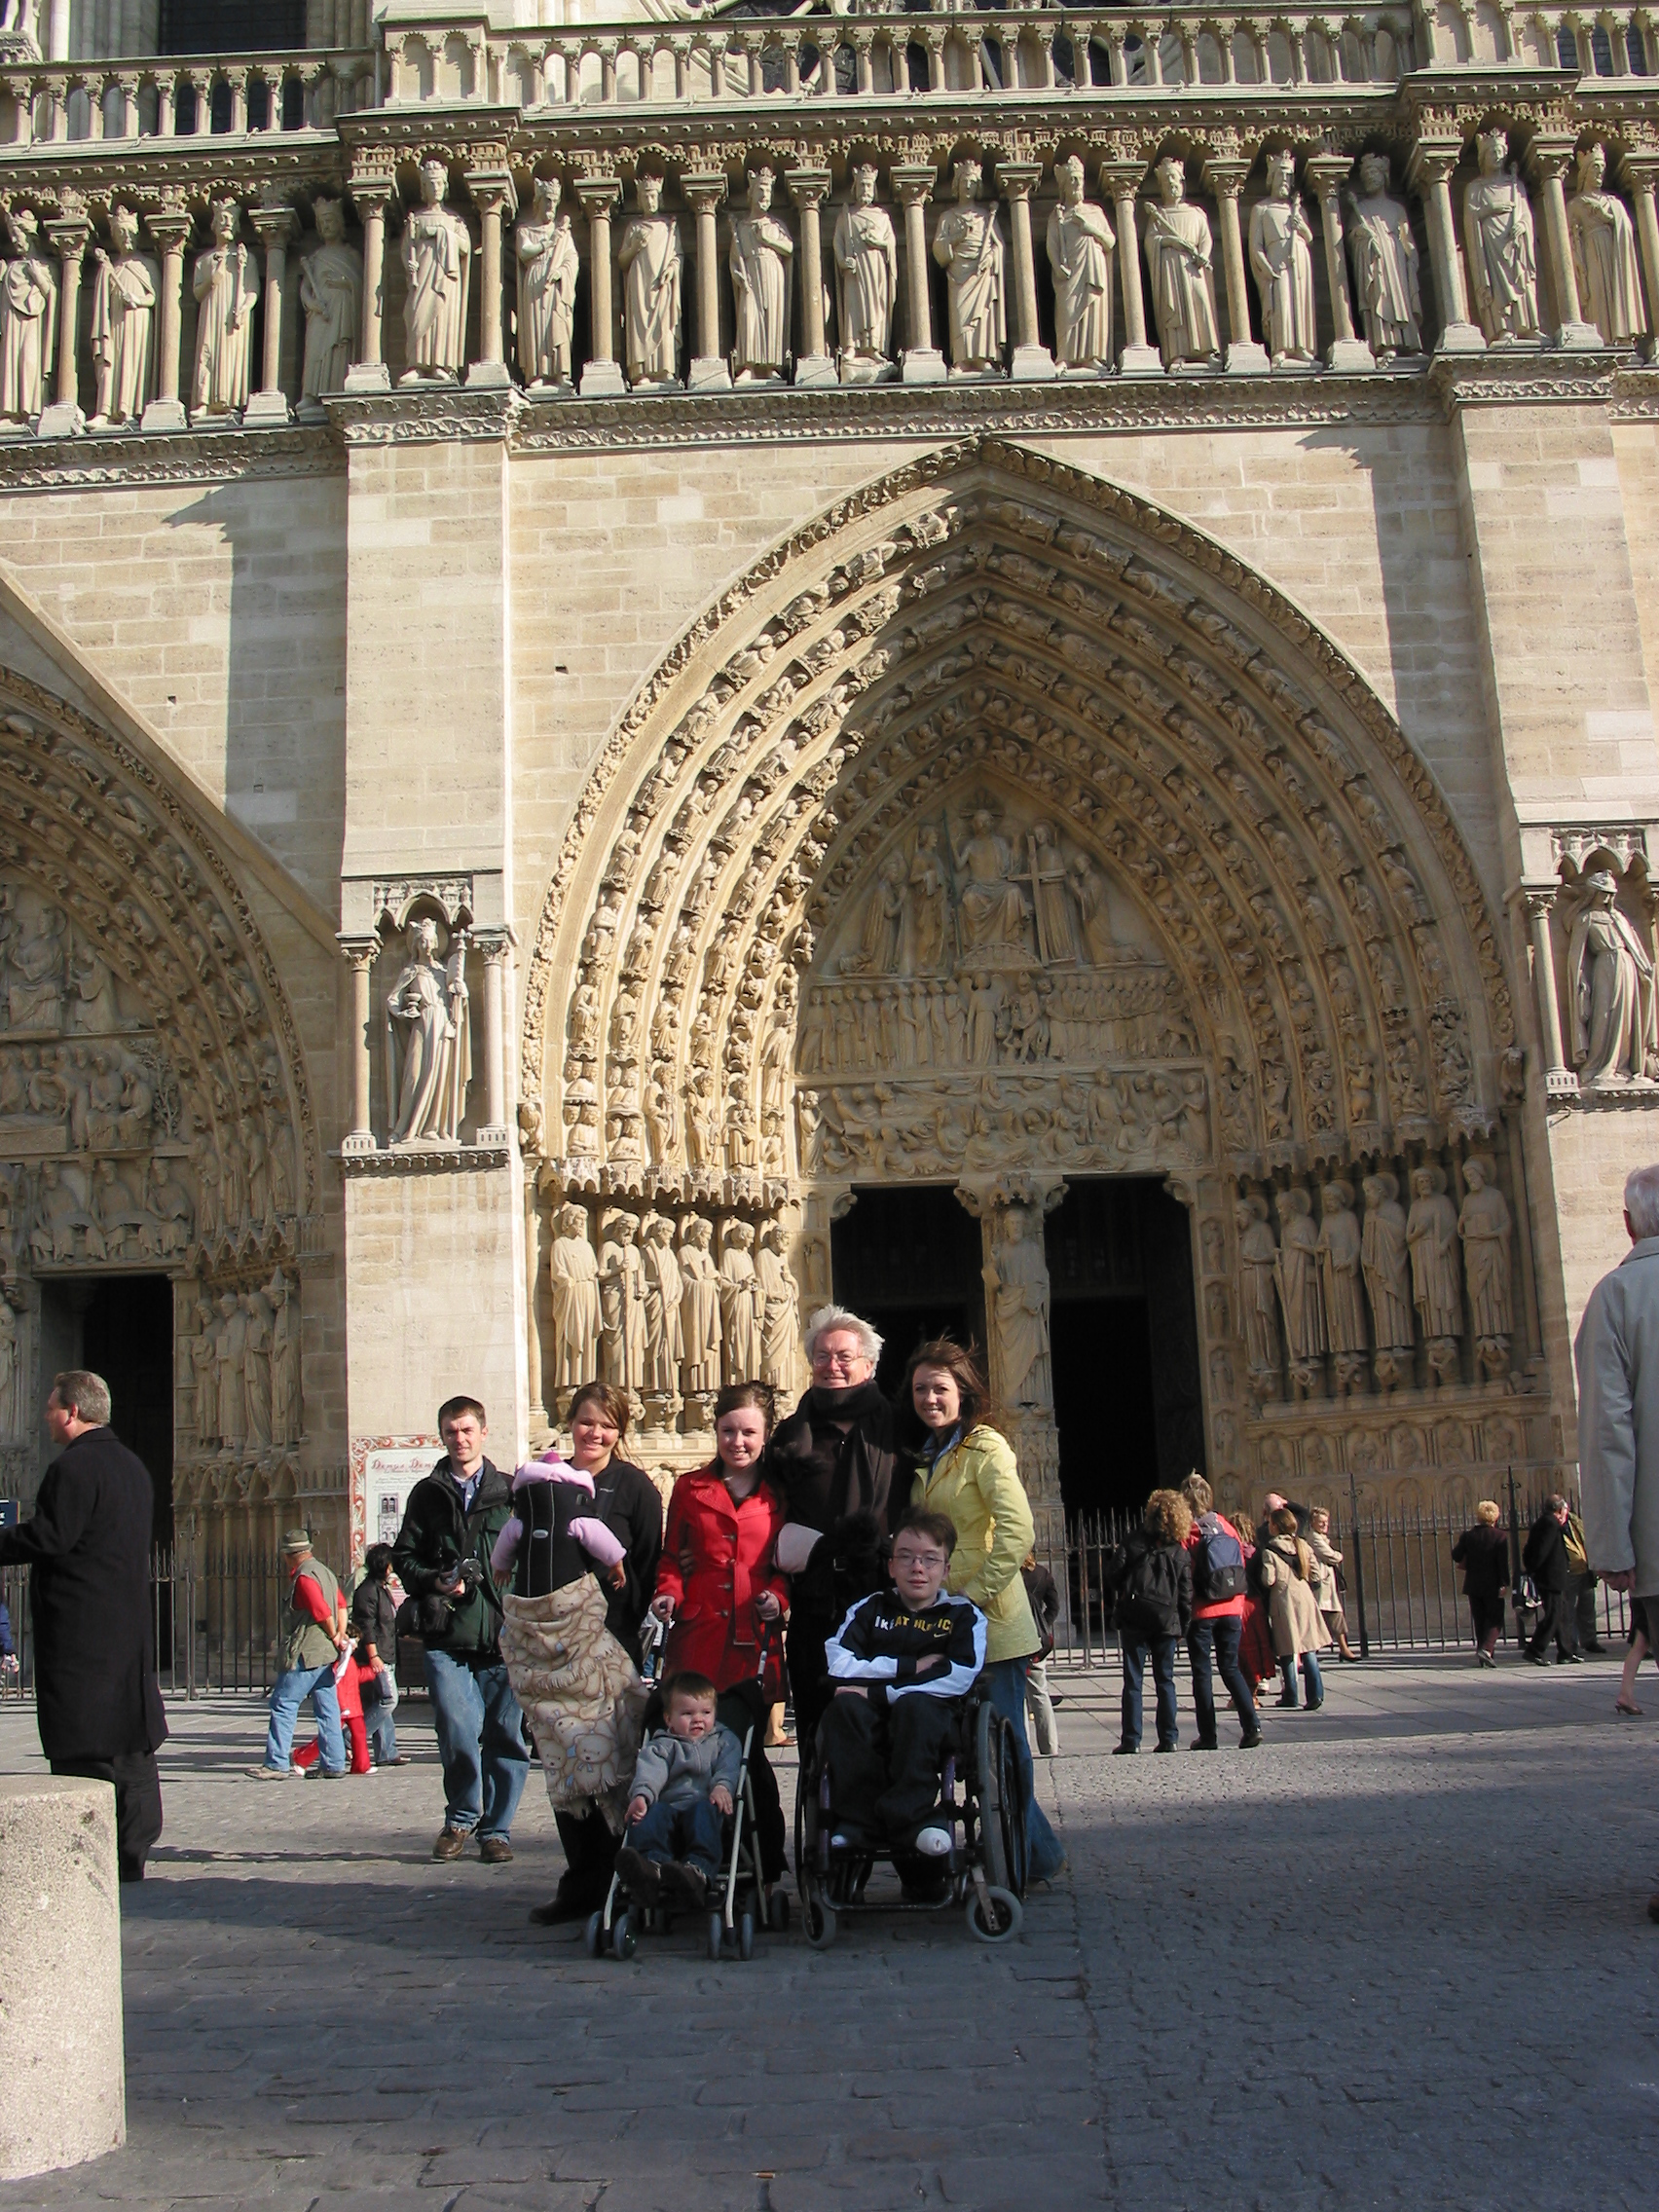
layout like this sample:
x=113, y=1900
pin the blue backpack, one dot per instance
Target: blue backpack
x=1217, y=1562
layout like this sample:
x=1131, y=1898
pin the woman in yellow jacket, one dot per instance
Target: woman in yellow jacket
x=967, y=1472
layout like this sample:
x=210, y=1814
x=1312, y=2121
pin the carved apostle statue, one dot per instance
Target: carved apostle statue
x=225, y=280
x=1603, y=254
x=761, y=250
x=665, y=1291
x=930, y=900
x=28, y=306
x=1387, y=1278
x=547, y=268
x=650, y=261
x=331, y=293
x=1498, y=241
x=968, y=246
x=866, y=275
x=1301, y=1296
x=1177, y=239
x=1281, y=256
x=699, y=1307
x=1081, y=250
x=1431, y=1235
x=1485, y=1226
x=1017, y=1284
x=1340, y=1261
x=437, y=267
x=572, y=1268
x=1385, y=255
x=283, y=1294
x=124, y=323
x=622, y=1304
x=429, y=1041
x=780, y=1309
x=1611, y=976
x=740, y=1303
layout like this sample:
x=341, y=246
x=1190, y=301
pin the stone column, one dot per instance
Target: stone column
x=808, y=188
x=493, y=195
x=1559, y=1078
x=1120, y=181
x=1225, y=175
x=1641, y=175
x=923, y=362
x=1549, y=159
x=1029, y=1395
x=372, y=195
x=68, y=235
x=602, y=377
x=494, y=945
x=710, y=370
x=275, y=227
x=1327, y=173
x=171, y=228
x=360, y=953
x=1033, y=363
x=1430, y=171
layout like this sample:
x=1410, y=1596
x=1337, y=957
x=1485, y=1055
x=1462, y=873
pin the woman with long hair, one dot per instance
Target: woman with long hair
x=965, y=1469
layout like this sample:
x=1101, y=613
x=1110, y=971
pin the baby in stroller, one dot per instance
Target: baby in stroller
x=684, y=1787
x=900, y=1663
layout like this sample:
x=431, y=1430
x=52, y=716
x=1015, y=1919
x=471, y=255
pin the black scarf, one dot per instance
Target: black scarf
x=826, y=1474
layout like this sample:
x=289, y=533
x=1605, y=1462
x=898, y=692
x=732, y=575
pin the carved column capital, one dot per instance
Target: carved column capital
x=1017, y=180
x=1431, y=163
x=494, y=944
x=808, y=188
x=704, y=190
x=272, y=226
x=598, y=194
x=371, y=192
x=1121, y=179
x=1327, y=173
x=1225, y=173
x=361, y=952
x=913, y=182
x=492, y=191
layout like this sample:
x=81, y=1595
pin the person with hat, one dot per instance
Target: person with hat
x=316, y=1638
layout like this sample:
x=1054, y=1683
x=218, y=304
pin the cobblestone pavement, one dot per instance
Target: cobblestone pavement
x=1398, y=1958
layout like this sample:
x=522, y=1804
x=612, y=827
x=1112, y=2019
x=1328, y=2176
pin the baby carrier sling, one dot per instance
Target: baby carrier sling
x=550, y=1557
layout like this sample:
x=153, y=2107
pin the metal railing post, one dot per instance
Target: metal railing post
x=1358, y=1567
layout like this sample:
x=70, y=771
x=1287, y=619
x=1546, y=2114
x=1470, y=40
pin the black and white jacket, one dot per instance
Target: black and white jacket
x=881, y=1641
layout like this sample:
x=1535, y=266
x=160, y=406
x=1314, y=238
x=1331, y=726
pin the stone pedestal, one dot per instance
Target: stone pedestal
x=60, y=2034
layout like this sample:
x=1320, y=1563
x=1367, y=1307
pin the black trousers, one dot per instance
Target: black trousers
x=884, y=1763
x=137, y=1803
x=741, y=1708
x=1487, y=1613
x=590, y=1855
x=809, y=1670
x=1554, y=1618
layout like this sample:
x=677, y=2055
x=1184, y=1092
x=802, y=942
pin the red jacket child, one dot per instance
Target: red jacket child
x=730, y=1542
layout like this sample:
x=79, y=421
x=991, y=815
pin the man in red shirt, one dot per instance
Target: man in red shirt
x=316, y=1637
x=1218, y=1616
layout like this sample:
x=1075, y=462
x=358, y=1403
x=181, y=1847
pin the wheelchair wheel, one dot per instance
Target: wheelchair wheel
x=818, y=1917
x=746, y=1937
x=624, y=1940
x=778, y=1911
x=592, y=1933
x=717, y=1928
x=1006, y=1916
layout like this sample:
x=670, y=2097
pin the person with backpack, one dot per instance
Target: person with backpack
x=1220, y=1598
x=1299, y=1627
x=1151, y=1582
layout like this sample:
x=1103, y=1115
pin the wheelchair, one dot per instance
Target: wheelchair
x=982, y=1804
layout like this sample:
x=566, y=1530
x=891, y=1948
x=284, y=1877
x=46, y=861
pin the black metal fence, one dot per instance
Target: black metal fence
x=217, y=1623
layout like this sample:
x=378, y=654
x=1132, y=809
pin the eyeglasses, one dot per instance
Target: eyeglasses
x=918, y=1558
x=846, y=1361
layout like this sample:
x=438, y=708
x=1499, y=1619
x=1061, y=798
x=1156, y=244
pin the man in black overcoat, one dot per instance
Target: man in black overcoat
x=87, y=1541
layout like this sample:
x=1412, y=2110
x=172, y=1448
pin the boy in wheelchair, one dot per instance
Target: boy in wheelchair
x=901, y=1664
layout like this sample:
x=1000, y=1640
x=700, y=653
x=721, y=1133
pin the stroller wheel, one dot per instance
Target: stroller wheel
x=745, y=1937
x=624, y=1940
x=592, y=1933
x=1007, y=1914
x=778, y=1911
x=717, y=1928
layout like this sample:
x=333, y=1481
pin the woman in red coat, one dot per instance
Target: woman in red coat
x=721, y=1593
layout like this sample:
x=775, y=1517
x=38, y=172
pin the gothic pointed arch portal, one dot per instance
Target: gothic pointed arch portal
x=155, y=1112
x=999, y=829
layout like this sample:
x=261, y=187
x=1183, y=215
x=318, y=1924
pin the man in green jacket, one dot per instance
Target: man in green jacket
x=442, y=1558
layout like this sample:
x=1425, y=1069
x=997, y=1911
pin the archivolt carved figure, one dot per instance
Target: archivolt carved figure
x=1431, y=1233
x=1282, y=254
x=1610, y=972
x=547, y=268
x=665, y=1345
x=1339, y=1261
x=968, y=246
x=761, y=250
x=331, y=293
x=1016, y=1281
x=574, y=1273
x=437, y=266
x=1384, y=253
x=1300, y=1294
x=226, y=282
x=1497, y=237
x=867, y=270
x=1183, y=275
x=1082, y=250
x=740, y=1303
x=1483, y=1225
x=1387, y=1262
x=1603, y=254
x=780, y=1309
x=623, y=1306
x=123, y=317
x=699, y=1307
x=650, y=261
x=429, y=1041
x=29, y=309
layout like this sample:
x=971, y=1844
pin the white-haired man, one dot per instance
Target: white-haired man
x=1618, y=1354
x=834, y=1459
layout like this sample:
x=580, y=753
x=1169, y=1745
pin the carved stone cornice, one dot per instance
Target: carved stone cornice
x=1488, y=379
x=446, y=413
x=424, y=1159
x=128, y=458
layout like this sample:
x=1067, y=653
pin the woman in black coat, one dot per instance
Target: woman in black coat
x=1482, y=1553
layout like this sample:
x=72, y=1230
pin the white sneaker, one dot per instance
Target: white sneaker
x=933, y=1843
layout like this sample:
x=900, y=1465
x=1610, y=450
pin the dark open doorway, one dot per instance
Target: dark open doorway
x=909, y=1261
x=1126, y=1397
x=122, y=1328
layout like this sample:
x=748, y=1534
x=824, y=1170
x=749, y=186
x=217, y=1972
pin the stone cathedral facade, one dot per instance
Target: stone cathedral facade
x=658, y=664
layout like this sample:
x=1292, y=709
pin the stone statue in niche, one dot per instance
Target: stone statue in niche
x=1387, y=1262
x=740, y=1303
x=230, y=1348
x=123, y=324
x=650, y=261
x=780, y=1309
x=665, y=1343
x=866, y=275
x=437, y=267
x=1610, y=975
x=1301, y=1298
x=1431, y=1235
x=283, y=1294
x=1281, y=256
x=1340, y=1266
x=225, y=280
x=699, y=1310
x=204, y=1368
x=930, y=902
x=548, y=265
x=428, y=1039
x=968, y=246
x=1603, y=254
x=761, y=250
x=9, y=1402
x=92, y=1008
x=884, y=917
x=331, y=294
x=1178, y=259
x=992, y=910
x=256, y=1369
x=64, y=1228
x=1088, y=889
x=1050, y=890
x=1082, y=249
x=623, y=1306
x=28, y=309
x=1017, y=1288
x=1485, y=1226
x=33, y=959
x=574, y=1273
x=1499, y=241
x=1384, y=256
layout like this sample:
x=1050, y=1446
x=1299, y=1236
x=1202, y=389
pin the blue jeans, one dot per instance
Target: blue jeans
x=1005, y=1686
x=1220, y=1636
x=1309, y=1675
x=480, y=1741
x=290, y=1692
x=381, y=1730
x=1135, y=1650
x=694, y=1833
